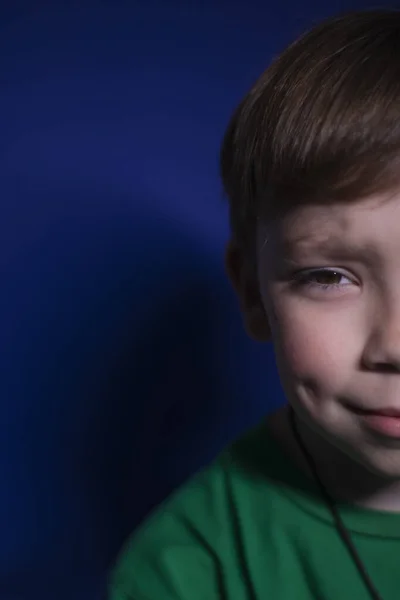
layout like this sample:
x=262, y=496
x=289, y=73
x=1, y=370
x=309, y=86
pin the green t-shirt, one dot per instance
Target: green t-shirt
x=253, y=527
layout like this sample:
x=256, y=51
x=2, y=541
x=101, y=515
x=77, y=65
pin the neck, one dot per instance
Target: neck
x=345, y=479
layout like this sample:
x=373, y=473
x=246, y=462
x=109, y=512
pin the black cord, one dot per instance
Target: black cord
x=340, y=526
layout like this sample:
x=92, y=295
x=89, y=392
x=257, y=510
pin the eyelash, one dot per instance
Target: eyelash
x=304, y=279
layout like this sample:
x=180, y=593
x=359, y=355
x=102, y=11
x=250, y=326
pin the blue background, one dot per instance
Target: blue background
x=124, y=366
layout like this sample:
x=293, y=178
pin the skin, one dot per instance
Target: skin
x=336, y=335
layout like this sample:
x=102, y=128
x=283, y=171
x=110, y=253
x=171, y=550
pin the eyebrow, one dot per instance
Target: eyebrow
x=331, y=247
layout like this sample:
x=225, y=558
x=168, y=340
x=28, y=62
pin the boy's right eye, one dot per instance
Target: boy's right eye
x=322, y=278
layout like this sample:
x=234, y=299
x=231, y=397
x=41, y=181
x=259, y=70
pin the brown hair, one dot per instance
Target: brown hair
x=321, y=124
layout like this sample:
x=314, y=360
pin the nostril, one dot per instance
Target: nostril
x=387, y=368
x=390, y=367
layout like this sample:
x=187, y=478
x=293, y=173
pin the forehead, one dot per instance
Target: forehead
x=369, y=222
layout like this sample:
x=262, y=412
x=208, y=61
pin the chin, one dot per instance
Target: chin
x=384, y=464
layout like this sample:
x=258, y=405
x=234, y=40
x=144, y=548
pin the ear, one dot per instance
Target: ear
x=243, y=276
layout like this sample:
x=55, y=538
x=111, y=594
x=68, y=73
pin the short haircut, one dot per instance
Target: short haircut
x=321, y=124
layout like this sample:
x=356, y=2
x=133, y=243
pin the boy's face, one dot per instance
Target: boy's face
x=329, y=295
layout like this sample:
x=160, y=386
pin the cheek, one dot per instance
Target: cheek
x=307, y=347
x=315, y=345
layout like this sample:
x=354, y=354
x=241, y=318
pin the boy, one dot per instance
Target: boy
x=308, y=505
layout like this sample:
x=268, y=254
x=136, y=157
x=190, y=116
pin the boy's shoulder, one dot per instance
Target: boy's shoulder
x=252, y=462
x=196, y=529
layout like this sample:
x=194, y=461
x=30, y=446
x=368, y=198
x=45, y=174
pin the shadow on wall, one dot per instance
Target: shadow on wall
x=170, y=398
x=160, y=404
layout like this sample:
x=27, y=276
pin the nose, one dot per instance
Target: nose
x=382, y=350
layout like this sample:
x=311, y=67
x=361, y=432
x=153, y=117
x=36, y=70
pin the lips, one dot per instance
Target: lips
x=383, y=412
x=383, y=421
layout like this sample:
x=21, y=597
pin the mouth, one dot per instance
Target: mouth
x=384, y=412
x=383, y=421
